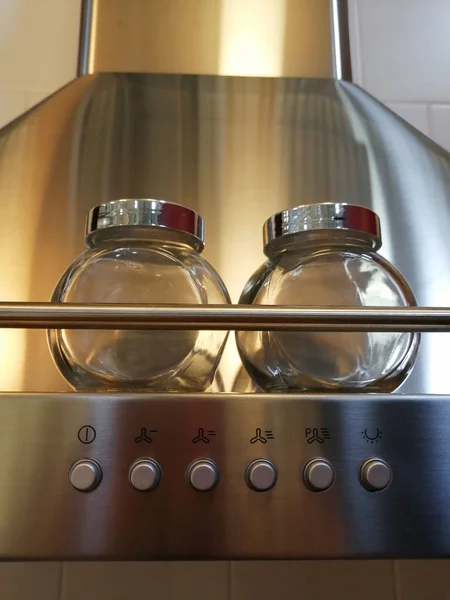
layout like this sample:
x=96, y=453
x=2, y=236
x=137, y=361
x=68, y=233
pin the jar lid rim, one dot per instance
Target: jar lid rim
x=147, y=212
x=324, y=216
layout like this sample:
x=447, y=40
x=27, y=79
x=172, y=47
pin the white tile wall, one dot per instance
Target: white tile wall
x=423, y=579
x=405, y=49
x=415, y=114
x=12, y=103
x=313, y=580
x=145, y=581
x=30, y=581
x=440, y=124
x=38, y=51
x=401, y=54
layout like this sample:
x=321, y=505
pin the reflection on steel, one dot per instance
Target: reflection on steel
x=235, y=150
x=328, y=217
x=146, y=212
x=44, y=518
x=295, y=38
x=235, y=317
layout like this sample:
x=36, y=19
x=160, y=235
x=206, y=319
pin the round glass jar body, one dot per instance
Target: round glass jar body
x=334, y=268
x=146, y=265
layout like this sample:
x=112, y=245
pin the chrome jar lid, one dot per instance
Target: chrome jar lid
x=143, y=212
x=326, y=216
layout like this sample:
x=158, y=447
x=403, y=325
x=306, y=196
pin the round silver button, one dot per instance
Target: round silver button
x=85, y=475
x=203, y=475
x=261, y=475
x=145, y=475
x=318, y=475
x=375, y=474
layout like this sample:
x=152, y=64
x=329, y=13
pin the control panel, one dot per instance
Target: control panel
x=203, y=475
x=223, y=476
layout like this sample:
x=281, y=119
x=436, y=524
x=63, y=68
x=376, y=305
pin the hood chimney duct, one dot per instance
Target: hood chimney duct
x=293, y=38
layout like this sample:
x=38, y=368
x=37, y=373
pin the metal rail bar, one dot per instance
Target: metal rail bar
x=219, y=317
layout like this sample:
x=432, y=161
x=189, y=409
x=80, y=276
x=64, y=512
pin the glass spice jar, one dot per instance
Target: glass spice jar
x=326, y=255
x=140, y=251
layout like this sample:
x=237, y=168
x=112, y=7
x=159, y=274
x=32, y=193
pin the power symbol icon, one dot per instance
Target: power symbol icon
x=87, y=434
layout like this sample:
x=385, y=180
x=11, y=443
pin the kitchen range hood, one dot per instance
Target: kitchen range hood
x=237, y=109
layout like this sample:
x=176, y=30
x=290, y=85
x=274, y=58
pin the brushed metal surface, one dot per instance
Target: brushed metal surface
x=296, y=38
x=340, y=29
x=42, y=516
x=234, y=149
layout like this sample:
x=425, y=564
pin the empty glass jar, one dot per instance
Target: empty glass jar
x=140, y=251
x=326, y=255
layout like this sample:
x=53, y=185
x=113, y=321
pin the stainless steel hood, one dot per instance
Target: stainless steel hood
x=268, y=120
x=291, y=38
